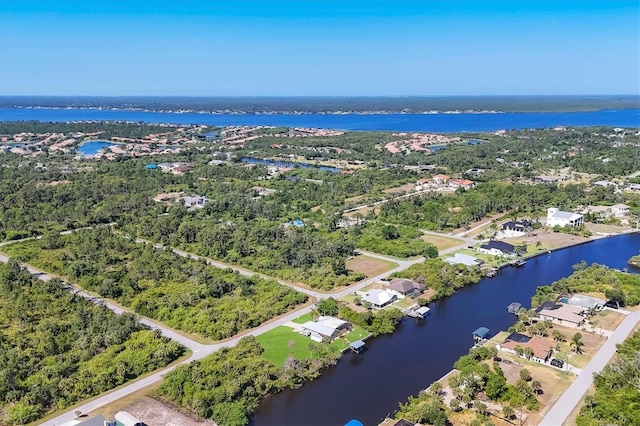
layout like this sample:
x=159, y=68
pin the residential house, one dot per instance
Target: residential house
x=560, y=313
x=586, y=302
x=498, y=248
x=441, y=179
x=620, y=210
x=404, y=287
x=518, y=225
x=605, y=183
x=379, y=298
x=463, y=259
x=475, y=172
x=325, y=327
x=556, y=217
x=542, y=348
x=196, y=201
x=461, y=183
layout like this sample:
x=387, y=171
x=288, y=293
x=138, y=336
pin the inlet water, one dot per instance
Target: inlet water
x=369, y=386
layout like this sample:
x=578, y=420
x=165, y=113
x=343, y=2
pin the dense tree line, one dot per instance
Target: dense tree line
x=107, y=129
x=57, y=348
x=183, y=293
x=228, y=385
x=441, y=276
x=617, y=396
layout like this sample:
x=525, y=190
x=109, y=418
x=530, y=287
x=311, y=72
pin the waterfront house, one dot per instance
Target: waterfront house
x=586, y=302
x=498, y=248
x=560, y=313
x=556, y=217
x=542, y=348
x=463, y=259
x=480, y=335
x=404, y=287
x=324, y=327
x=379, y=298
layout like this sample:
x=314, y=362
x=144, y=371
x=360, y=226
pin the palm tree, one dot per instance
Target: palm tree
x=536, y=387
x=576, y=343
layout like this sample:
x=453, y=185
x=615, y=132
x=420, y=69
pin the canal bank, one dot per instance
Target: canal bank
x=370, y=386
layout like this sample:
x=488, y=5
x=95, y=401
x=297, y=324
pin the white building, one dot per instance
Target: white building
x=620, y=210
x=556, y=217
x=379, y=298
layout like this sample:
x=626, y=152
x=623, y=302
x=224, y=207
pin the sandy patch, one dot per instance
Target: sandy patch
x=369, y=265
x=154, y=412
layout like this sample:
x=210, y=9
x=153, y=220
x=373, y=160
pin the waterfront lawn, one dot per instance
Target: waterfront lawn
x=489, y=260
x=282, y=342
x=607, y=319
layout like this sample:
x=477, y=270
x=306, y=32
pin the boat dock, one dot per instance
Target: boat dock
x=420, y=312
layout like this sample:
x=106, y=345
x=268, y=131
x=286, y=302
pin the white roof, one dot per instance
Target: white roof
x=127, y=419
x=331, y=322
x=462, y=258
x=378, y=297
x=566, y=215
x=585, y=301
x=318, y=328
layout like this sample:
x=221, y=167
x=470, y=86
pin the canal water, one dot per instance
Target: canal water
x=369, y=386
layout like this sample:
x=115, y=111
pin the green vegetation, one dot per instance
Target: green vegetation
x=442, y=277
x=617, y=397
x=475, y=376
x=57, y=349
x=615, y=285
x=228, y=385
x=186, y=294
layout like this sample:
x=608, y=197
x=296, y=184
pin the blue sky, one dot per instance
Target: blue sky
x=324, y=48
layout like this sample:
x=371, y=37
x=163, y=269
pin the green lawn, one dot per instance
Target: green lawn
x=302, y=319
x=276, y=345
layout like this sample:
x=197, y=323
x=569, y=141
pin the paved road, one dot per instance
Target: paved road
x=199, y=350
x=558, y=414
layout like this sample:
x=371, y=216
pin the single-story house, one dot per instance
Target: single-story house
x=542, y=348
x=480, y=334
x=560, y=313
x=518, y=225
x=497, y=248
x=463, y=259
x=605, y=183
x=586, y=302
x=617, y=210
x=379, y=298
x=195, y=201
x=556, y=217
x=404, y=287
x=461, y=183
x=324, y=327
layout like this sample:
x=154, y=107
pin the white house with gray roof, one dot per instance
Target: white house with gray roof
x=556, y=217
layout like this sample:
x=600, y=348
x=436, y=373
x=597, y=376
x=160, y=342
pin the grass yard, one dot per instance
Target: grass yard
x=302, y=319
x=607, y=320
x=441, y=242
x=369, y=266
x=283, y=341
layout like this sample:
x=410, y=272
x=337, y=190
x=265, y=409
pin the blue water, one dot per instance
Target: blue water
x=369, y=386
x=89, y=149
x=392, y=122
x=287, y=164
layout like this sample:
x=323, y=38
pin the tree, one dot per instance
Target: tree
x=508, y=412
x=390, y=232
x=536, y=386
x=435, y=388
x=327, y=306
x=525, y=375
x=577, y=343
x=455, y=404
x=616, y=295
x=558, y=337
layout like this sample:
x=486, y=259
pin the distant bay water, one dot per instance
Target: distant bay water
x=453, y=122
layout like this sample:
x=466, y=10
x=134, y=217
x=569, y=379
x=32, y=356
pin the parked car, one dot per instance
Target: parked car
x=557, y=363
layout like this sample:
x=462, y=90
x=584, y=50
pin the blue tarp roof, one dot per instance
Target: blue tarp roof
x=481, y=332
x=354, y=422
